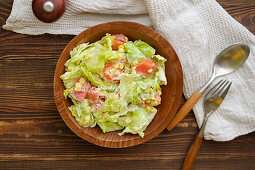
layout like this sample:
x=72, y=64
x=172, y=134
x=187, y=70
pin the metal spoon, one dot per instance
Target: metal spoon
x=229, y=60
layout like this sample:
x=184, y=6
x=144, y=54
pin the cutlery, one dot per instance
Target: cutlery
x=212, y=101
x=48, y=10
x=229, y=60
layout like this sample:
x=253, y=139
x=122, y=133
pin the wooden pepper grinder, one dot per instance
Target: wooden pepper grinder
x=49, y=10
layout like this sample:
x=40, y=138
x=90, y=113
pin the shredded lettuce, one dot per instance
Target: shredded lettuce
x=69, y=78
x=94, y=58
x=148, y=82
x=82, y=114
x=77, y=54
x=145, y=48
x=109, y=126
x=138, y=124
x=161, y=69
x=129, y=89
x=161, y=73
x=110, y=55
x=113, y=104
x=122, y=104
x=133, y=53
x=108, y=40
x=96, y=81
x=93, y=79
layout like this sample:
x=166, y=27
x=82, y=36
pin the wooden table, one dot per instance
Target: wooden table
x=33, y=135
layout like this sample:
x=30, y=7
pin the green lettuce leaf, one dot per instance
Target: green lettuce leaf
x=129, y=89
x=82, y=113
x=109, y=126
x=93, y=58
x=151, y=115
x=115, y=117
x=133, y=53
x=146, y=83
x=145, y=48
x=113, y=104
x=77, y=54
x=69, y=78
x=110, y=55
x=97, y=81
x=150, y=95
x=108, y=40
x=162, y=75
x=138, y=124
x=67, y=92
x=93, y=79
x=161, y=69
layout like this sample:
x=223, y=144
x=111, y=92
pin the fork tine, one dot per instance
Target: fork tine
x=218, y=89
x=210, y=93
x=224, y=90
x=214, y=87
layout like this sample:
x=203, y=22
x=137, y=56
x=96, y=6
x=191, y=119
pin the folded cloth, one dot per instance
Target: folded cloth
x=197, y=29
x=79, y=15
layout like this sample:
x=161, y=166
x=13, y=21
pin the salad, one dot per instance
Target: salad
x=114, y=83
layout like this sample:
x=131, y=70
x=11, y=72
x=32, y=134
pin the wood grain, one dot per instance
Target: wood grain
x=33, y=135
x=184, y=110
x=171, y=94
x=192, y=153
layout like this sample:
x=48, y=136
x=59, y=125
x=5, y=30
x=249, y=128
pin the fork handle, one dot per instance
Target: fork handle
x=185, y=109
x=192, y=153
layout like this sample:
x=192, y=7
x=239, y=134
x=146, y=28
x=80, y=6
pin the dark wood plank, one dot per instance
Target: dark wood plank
x=33, y=135
x=242, y=10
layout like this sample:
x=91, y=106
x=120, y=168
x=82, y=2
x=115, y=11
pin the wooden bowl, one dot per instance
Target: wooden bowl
x=171, y=93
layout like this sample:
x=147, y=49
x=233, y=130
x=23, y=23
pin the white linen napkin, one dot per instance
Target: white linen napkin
x=197, y=29
x=79, y=15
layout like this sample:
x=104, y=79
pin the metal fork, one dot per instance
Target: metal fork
x=212, y=101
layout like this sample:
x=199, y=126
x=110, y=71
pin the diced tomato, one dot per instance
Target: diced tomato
x=111, y=73
x=78, y=80
x=116, y=43
x=93, y=93
x=158, y=98
x=80, y=95
x=97, y=104
x=146, y=67
x=120, y=39
x=96, y=99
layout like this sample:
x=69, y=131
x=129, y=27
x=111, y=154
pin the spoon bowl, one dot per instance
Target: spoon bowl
x=231, y=59
x=228, y=61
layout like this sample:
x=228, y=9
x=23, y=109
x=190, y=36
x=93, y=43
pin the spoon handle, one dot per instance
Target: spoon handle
x=192, y=153
x=185, y=109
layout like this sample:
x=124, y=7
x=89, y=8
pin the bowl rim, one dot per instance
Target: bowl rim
x=126, y=143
